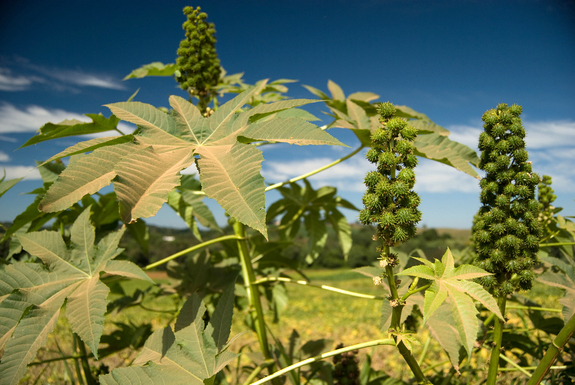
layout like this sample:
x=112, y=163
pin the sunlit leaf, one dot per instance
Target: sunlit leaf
x=31, y=294
x=153, y=69
x=74, y=127
x=188, y=355
x=453, y=283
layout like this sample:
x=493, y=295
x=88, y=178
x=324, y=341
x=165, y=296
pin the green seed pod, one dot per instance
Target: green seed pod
x=372, y=179
x=198, y=64
x=389, y=198
x=505, y=230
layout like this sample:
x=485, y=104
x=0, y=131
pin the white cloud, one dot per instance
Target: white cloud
x=80, y=78
x=190, y=170
x=8, y=82
x=5, y=138
x=432, y=177
x=551, y=146
x=550, y=134
x=26, y=172
x=33, y=117
x=4, y=157
x=59, y=78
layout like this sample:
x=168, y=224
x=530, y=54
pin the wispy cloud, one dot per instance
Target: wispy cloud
x=58, y=78
x=4, y=157
x=26, y=172
x=30, y=119
x=82, y=79
x=9, y=82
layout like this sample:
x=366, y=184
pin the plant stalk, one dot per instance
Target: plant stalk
x=497, y=337
x=84, y=359
x=387, y=341
x=252, y=290
x=553, y=351
x=396, y=321
x=190, y=249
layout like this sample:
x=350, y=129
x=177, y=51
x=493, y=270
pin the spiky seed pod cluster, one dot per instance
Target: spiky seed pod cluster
x=390, y=201
x=545, y=196
x=346, y=370
x=506, y=231
x=198, y=63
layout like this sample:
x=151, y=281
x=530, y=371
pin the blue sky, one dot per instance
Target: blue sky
x=451, y=60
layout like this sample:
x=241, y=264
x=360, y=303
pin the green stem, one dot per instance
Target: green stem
x=72, y=357
x=535, y=308
x=519, y=368
x=412, y=292
x=395, y=323
x=556, y=244
x=497, y=337
x=324, y=287
x=190, y=249
x=424, y=351
x=84, y=359
x=257, y=371
x=252, y=290
x=561, y=367
x=274, y=186
x=387, y=341
x=553, y=351
x=77, y=360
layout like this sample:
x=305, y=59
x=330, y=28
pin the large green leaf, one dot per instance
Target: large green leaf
x=563, y=278
x=146, y=170
x=31, y=294
x=153, y=69
x=190, y=354
x=454, y=283
x=74, y=127
x=314, y=208
x=442, y=149
x=357, y=114
x=85, y=175
x=6, y=185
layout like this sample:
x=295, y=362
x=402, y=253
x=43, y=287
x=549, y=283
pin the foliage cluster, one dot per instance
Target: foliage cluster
x=76, y=264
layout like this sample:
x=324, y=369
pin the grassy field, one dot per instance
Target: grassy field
x=314, y=313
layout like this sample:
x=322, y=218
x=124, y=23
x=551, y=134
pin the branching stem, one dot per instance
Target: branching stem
x=190, y=249
x=276, y=185
x=324, y=287
x=497, y=337
x=252, y=290
x=387, y=341
x=553, y=351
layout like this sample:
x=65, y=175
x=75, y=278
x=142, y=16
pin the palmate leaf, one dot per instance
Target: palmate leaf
x=357, y=114
x=153, y=69
x=314, y=208
x=31, y=294
x=74, y=127
x=189, y=354
x=563, y=279
x=453, y=283
x=166, y=143
x=6, y=185
x=189, y=206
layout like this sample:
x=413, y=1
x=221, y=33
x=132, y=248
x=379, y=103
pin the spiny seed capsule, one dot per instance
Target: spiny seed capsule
x=392, y=150
x=198, y=64
x=505, y=231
